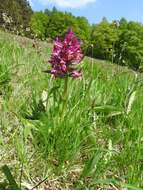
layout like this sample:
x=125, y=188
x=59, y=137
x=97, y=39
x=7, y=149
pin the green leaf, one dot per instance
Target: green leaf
x=115, y=182
x=12, y=183
x=91, y=165
x=107, y=109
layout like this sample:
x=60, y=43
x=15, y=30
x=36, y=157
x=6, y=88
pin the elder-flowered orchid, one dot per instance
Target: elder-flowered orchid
x=66, y=54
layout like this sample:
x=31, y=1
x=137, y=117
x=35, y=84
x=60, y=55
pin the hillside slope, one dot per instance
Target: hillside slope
x=18, y=10
x=98, y=144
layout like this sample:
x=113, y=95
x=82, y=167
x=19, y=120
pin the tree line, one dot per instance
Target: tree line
x=119, y=41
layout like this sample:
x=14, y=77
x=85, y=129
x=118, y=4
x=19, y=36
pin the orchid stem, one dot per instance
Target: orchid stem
x=65, y=98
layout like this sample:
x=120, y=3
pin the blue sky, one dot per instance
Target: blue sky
x=95, y=10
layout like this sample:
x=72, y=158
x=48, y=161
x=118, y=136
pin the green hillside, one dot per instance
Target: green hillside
x=99, y=142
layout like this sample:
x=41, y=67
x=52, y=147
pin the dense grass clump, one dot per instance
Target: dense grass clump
x=97, y=141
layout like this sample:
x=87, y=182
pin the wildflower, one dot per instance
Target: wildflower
x=66, y=54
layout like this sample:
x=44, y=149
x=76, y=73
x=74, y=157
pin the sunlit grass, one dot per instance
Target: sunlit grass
x=99, y=142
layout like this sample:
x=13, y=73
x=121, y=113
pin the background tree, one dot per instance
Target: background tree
x=129, y=47
x=103, y=37
x=60, y=22
x=39, y=23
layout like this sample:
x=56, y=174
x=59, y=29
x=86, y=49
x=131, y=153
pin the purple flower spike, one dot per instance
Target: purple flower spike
x=76, y=74
x=65, y=55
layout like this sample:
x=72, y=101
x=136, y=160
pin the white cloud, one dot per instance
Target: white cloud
x=31, y=3
x=67, y=3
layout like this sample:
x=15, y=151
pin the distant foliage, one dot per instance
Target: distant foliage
x=103, y=37
x=53, y=23
x=39, y=22
x=119, y=41
x=129, y=47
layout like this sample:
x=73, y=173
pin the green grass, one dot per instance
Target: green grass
x=97, y=143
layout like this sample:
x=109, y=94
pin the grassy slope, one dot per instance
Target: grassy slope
x=100, y=139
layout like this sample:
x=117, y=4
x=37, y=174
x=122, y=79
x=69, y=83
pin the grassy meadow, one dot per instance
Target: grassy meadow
x=95, y=144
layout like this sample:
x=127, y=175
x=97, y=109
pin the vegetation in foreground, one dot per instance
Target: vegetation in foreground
x=98, y=144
